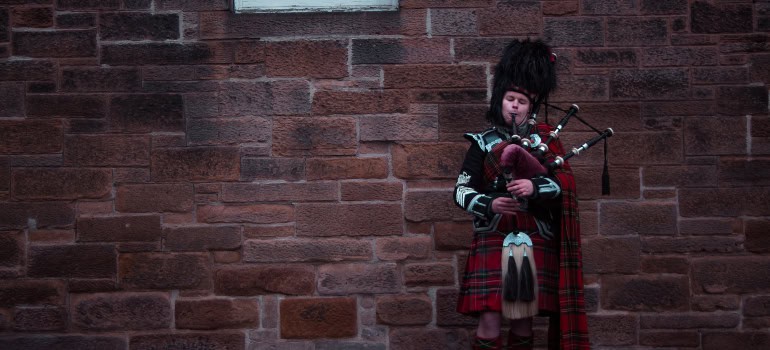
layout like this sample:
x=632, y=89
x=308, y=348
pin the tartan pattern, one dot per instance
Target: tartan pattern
x=559, y=260
x=572, y=317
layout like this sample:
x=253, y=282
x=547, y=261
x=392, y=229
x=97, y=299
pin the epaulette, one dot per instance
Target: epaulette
x=487, y=138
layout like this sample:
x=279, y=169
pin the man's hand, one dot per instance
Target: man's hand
x=521, y=188
x=505, y=205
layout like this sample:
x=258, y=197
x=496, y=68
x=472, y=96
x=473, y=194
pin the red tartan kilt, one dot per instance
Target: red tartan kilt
x=481, y=287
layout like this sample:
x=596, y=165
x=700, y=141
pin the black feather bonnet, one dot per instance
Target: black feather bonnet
x=527, y=67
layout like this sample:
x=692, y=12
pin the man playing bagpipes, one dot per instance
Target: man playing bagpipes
x=525, y=254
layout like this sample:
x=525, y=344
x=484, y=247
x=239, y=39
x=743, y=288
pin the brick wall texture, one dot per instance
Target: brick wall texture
x=174, y=175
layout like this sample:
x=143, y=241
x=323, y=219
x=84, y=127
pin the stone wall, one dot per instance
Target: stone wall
x=175, y=175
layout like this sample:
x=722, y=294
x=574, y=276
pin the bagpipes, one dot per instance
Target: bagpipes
x=527, y=158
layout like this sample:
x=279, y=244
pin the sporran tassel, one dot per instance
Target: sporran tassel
x=517, y=248
x=511, y=279
x=526, y=287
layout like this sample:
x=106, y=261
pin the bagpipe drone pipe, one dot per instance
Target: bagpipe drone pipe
x=526, y=158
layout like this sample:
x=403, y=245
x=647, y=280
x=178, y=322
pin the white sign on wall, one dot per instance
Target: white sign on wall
x=314, y=5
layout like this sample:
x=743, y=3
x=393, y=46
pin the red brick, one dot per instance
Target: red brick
x=314, y=136
x=496, y=21
x=643, y=293
x=456, y=120
x=423, y=338
x=729, y=275
x=315, y=59
x=166, y=53
x=76, y=20
x=741, y=100
x=218, y=340
x=624, y=31
x=721, y=18
x=432, y=206
x=757, y=306
x=665, y=264
x=27, y=70
x=704, y=244
x=688, y=320
x=164, y=271
x=41, y=215
x=354, y=102
x=745, y=201
x=306, y=250
x=268, y=231
x=657, y=83
x=74, y=342
x=452, y=235
x=454, y=96
x=11, y=100
x=30, y=136
x=398, y=127
x=704, y=136
x=91, y=285
x=711, y=303
x=744, y=172
x=569, y=31
x=60, y=183
x=646, y=218
x=400, y=51
x=149, y=198
x=121, y=311
x=216, y=313
x=429, y=274
x=38, y=319
x=103, y=150
x=346, y=168
x=228, y=131
x=403, y=248
x=428, y=160
x=592, y=87
x=443, y=3
x=289, y=169
x=59, y=44
x=446, y=310
x=599, y=57
x=720, y=75
x=12, y=246
x=100, y=79
x=320, y=220
x=611, y=255
x=265, y=279
x=735, y=340
x=221, y=24
x=318, y=318
x=201, y=238
x=87, y=106
x=612, y=330
x=119, y=228
x=560, y=8
x=146, y=113
x=195, y=164
x=31, y=292
x=81, y=260
x=681, y=176
x=624, y=182
x=256, y=214
x=616, y=7
x=343, y=279
x=454, y=22
x=368, y=191
x=138, y=26
x=434, y=76
x=404, y=310
x=757, y=239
